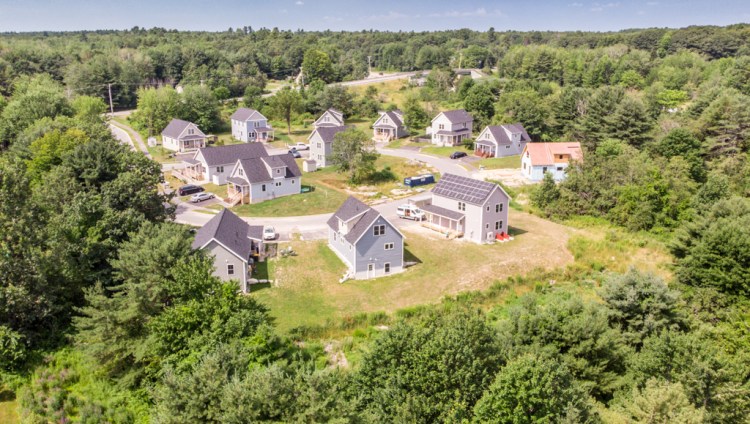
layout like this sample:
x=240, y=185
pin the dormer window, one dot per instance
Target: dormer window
x=191, y=131
x=278, y=171
x=240, y=171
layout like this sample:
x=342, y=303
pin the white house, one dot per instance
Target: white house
x=321, y=143
x=329, y=118
x=250, y=125
x=214, y=164
x=555, y=158
x=389, y=126
x=450, y=128
x=234, y=245
x=497, y=141
x=365, y=241
x=263, y=178
x=476, y=210
x=182, y=136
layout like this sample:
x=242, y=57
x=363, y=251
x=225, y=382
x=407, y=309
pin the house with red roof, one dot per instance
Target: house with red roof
x=540, y=158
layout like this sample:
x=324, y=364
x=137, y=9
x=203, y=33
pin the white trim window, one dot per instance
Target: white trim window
x=461, y=206
x=378, y=230
x=499, y=207
x=219, y=169
x=388, y=246
x=499, y=225
x=387, y=267
x=230, y=269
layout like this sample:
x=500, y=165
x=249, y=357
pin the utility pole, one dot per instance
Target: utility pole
x=460, y=59
x=111, y=106
x=369, y=66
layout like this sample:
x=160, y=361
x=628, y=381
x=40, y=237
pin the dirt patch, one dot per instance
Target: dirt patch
x=509, y=177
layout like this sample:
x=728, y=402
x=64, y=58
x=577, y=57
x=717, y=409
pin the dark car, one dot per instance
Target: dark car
x=458, y=155
x=295, y=153
x=189, y=189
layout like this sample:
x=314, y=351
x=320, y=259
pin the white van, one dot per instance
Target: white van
x=410, y=212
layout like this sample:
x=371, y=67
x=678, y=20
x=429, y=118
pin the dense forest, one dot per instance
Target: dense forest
x=107, y=315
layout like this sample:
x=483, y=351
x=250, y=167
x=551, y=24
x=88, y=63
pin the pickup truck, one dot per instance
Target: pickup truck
x=299, y=146
x=409, y=211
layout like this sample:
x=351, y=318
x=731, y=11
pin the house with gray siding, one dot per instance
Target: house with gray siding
x=182, y=136
x=497, y=141
x=214, y=164
x=321, y=143
x=250, y=125
x=450, y=128
x=256, y=180
x=329, y=118
x=464, y=207
x=538, y=159
x=389, y=126
x=365, y=241
x=234, y=245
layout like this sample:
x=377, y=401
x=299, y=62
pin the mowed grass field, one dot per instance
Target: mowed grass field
x=307, y=292
x=9, y=412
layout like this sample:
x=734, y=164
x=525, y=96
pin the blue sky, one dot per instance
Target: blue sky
x=394, y=15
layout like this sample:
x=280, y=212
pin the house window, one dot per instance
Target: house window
x=507, y=147
x=278, y=184
x=230, y=269
x=278, y=171
x=263, y=187
x=370, y=267
x=461, y=206
x=319, y=146
x=334, y=236
x=499, y=225
x=388, y=246
x=292, y=181
x=559, y=168
x=544, y=170
x=441, y=126
x=499, y=207
x=240, y=171
x=487, y=226
x=387, y=268
x=488, y=208
x=191, y=131
x=257, y=124
x=378, y=230
x=464, y=124
x=219, y=169
x=325, y=119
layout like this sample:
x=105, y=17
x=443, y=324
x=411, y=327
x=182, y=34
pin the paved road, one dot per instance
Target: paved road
x=133, y=135
x=122, y=136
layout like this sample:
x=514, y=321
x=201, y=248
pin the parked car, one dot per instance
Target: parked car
x=300, y=146
x=458, y=155
x=197, y=198
x=189, y=189
x=419, y=180
x=410, y=211
x=269, y=233
x=295, y=153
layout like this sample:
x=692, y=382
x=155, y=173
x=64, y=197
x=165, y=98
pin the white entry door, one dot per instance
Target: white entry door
x=370, y=270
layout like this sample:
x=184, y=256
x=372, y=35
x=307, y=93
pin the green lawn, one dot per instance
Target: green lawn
x=321, y=199
x=9, y=412
x=305, y=295
x=445, y=151
x=501, y=163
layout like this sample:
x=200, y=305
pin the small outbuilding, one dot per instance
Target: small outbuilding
x=309, y=165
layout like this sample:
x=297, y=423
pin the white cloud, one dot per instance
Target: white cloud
x=333, y=18
x=389, y=15
x=641, y=12
x=598, y=7
x=652, y=3
x=576, y=4
x=299, y=2
x=477, y=13
x=283, y=11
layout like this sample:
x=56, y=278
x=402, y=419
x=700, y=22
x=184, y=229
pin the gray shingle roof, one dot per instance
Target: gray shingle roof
x=328, y=133
x=458, y=116
x=437, y=210
x=501, y=136
x=176, y=127
x=463, y=189
x=360, y=215
x=395, y=119
x=256, y=172
x=229, y=230
x=243, y=114
x=222, y=155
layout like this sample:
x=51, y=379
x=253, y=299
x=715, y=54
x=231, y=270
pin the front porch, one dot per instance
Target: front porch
x=190, y=145
x=485, y=150
x=261, y=134
x=238, y=192
x=383, y=134
x=193, y=170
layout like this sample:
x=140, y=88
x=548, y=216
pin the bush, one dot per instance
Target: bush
x=12, y=348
